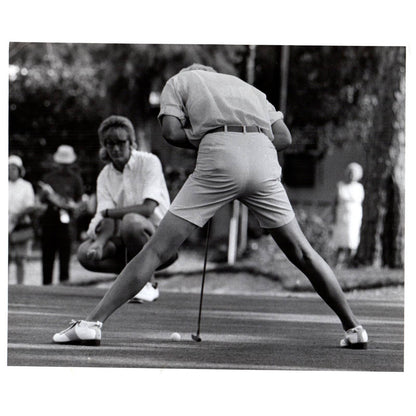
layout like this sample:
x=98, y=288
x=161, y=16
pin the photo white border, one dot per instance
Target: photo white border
x=57, y=391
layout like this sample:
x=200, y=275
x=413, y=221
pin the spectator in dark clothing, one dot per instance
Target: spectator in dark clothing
x=61, y=190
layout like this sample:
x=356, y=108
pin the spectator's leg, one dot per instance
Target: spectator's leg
x=348, y=257
x=48, y=244
x=136, y=231
x=337, y=256
x=20, y=270
x=110, y=263
x=64, y=252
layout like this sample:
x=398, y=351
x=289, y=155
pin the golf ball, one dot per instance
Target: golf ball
x=175, y=336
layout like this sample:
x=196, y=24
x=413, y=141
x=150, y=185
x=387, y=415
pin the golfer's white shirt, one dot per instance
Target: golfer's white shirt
x=142, y=178
x=204, y=100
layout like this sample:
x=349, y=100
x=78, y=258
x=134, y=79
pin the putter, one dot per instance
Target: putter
x=196, y=337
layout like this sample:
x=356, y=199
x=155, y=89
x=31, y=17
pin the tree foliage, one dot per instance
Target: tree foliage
x=342, y=94
x=327, y=99
x=59, y=93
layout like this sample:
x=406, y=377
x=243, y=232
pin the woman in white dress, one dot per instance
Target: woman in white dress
x=21, y=204
x=348, y=214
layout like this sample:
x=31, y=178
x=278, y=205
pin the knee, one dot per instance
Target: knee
x=82, y=253
x=133, y=219
x=136, y=225
x=300, y=253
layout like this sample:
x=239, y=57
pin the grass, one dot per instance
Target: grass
x=265, y=259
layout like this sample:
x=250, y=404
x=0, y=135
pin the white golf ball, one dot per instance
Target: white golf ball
x=175, y=336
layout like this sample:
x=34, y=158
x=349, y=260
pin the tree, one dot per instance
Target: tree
x=55, y=97
x=343, y=94
x=382, y=233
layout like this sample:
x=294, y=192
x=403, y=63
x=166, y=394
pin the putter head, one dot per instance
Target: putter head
x=196, y=338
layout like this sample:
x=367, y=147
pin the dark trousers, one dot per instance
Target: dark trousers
x=56, y=238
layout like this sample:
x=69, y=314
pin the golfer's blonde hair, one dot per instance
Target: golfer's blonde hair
x=198, y=67
x=356, y=170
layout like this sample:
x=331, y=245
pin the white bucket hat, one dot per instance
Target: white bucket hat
x=15, y=160
x=65, y=155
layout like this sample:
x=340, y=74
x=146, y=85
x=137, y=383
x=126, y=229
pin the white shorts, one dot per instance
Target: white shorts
x=231, y=166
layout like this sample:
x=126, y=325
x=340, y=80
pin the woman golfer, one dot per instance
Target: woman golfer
x=237, y=132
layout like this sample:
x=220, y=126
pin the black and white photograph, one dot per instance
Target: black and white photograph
x=229, y=210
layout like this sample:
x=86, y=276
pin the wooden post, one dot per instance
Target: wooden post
x=242, y=246
x=233, y=233
x=284, y=75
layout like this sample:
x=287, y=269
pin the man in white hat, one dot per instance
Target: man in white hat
x=61, y=189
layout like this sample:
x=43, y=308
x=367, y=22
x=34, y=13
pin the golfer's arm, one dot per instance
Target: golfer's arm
x=282, y=136
x=174, y=133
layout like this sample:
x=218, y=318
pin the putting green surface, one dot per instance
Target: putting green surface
x=238, y=332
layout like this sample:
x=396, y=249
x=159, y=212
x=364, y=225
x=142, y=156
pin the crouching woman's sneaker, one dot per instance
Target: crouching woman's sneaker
x=356, y=338
x=149, y=293
x=80, y=333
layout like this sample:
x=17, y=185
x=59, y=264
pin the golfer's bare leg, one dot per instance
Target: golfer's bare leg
x=172, y=232
x=296, y=247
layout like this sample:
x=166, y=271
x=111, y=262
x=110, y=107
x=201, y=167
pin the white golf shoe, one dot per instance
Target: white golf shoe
x=149, y=293
x=356, y=338
x=80, y=333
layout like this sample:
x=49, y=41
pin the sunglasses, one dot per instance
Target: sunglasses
x=111, y=144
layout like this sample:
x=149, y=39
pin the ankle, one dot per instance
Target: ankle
x=353, y=327
x=350, y=325
x=93, y=319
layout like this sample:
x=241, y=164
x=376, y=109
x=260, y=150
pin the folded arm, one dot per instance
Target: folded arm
x=146, y=209
x=174, y=133
x=282, y=136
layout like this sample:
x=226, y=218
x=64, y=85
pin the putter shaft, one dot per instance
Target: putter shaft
x=197, y=337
